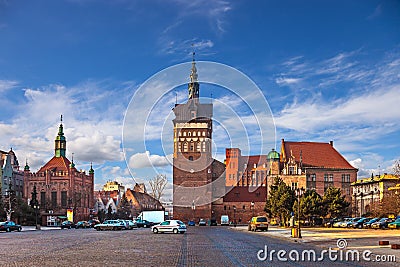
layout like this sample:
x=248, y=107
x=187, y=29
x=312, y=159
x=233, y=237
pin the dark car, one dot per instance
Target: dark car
x=82, y=224
x=202, y=222
x=360, y=223
x=368, y=224
x=93, y=222
x=67, y=225
x=9, y=226
x=381, y=224
x=213, y=222
x=191, y=223
x=144, y=223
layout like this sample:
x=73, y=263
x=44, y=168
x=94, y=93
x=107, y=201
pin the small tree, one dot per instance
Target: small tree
x=310, y=205
x=280, y=201
x=124, y=208
x=157, y=185
x=334, y=204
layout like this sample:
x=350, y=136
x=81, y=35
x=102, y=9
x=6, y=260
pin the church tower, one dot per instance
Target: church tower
x=192, y=158
x=60, y=142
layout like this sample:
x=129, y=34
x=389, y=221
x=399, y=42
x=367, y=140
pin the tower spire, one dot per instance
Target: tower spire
x=193, y=86
x=60, y=142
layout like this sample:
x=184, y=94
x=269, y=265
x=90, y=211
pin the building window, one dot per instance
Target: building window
x=203, y=146
x=244, y=207
x=291, y=170
x=184, y=133
x=224, y=207
x=185, y=147
x=230, y=176
x=191, y=147
x=233, y=176
x=325, y=177
x=64, y=199
x=313, y=177
x=191, y=158
x=43, y=199
x=330, y=177
x=189, y=134
x=179, y=133
x=54, y=199
x=294, y=186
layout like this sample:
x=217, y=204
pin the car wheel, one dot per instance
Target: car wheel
x=175, y=231
x=8, y=230
x=155, y=230
x=19, y=229
x=98, y=228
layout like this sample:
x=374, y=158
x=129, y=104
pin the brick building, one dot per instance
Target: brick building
x=313, y=165
x=194, y=169
x=60, y=186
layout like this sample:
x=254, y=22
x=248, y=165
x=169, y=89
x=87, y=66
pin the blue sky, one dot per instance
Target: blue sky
x=330, y=70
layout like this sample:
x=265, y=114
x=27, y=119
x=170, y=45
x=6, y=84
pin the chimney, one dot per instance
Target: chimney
x=331, y=143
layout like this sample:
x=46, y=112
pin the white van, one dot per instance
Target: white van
x=224, y=220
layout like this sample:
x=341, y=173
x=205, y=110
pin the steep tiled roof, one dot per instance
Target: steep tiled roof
x=56, y=164
x=315, y=154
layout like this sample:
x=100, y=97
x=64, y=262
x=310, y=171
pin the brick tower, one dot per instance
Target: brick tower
x=192, y=159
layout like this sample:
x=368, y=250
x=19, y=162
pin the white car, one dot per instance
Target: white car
x=173, y=226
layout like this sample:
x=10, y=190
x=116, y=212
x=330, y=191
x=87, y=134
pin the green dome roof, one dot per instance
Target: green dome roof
x=273, y=154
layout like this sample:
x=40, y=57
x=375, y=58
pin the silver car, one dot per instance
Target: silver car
x=173, y=226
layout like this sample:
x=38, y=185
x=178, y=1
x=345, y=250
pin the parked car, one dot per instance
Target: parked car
x=173, y=226
x=144, y=223
x=9, y=226
x=67, y=225
x=395, y=224
x=109, y=225
x=368, y=224
x=93, y=222
x=202, y=222
x=258, y=223
x=381, y=224
x=212, y=222
x=348, y=222
x=127, y=224
x=82, y=224
x=331, y=221
x=191, y=223
x=359, y=223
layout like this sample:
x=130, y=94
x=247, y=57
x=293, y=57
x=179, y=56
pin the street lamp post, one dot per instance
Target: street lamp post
x=299, y=192
x=234, y=216
x=193, y=209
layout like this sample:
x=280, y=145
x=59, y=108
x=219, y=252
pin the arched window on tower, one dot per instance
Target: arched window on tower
x=189, y=133
x=198, y=146
x=185, y=147
x=203, y=144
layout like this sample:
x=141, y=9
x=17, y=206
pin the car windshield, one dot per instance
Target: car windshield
x=262, y=219
x=179, y=222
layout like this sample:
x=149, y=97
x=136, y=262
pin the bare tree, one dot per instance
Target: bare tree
x=396, y=167
x=157, y=185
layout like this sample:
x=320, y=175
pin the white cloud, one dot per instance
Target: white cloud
x=286, y=81
x=6, y=85
x=145, y=160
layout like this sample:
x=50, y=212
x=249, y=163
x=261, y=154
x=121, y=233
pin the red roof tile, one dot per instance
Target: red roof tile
x=56, y=164
x=315, y=154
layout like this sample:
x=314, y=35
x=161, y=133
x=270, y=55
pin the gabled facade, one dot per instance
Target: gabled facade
x=313, y=165
x=60, y=186
x=12, y=178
